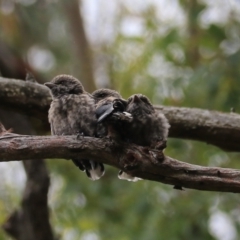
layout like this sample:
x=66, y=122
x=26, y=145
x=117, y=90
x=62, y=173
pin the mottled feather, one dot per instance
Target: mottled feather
x=72, y=112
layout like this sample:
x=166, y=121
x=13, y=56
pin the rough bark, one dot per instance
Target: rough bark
x=30, y=98
x=138, y=161
x=216, y=128
x=212, y=127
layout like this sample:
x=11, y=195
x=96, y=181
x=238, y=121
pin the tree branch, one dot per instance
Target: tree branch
x=138, y=161
x=216, y=128
x=32, y=99
x=219, y=129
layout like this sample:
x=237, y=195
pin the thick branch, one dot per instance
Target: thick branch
x=139, y=161
x=32, y=99
x=219, y=129
x=216, y=128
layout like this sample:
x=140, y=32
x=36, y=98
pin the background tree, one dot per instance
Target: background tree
x=178, y=53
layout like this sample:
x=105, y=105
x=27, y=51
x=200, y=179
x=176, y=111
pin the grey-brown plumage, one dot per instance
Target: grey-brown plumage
x=99, y=96
x=148, y=127
x=110, y=112
x=112, y=119
x=72, y=112
x=103, y=93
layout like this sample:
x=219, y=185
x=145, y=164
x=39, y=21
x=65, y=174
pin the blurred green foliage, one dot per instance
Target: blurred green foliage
x=192, y=63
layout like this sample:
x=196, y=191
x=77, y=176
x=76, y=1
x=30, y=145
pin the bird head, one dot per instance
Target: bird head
x=139, y=104
x=64, y=85
x=105, y=93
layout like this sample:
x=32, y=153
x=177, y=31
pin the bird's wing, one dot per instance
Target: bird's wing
x=104, y=111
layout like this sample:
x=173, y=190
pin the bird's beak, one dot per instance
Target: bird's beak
x=136, y=99
x=49, y=85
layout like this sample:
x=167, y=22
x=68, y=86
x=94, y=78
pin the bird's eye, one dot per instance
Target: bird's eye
x=102, y=95
x=72, y=91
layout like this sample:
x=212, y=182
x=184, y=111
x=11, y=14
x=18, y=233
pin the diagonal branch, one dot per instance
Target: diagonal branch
x=138, y=161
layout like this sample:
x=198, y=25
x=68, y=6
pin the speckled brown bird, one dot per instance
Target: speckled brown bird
x=72, y=112
x=112, y=119
x=110, y=108
x=99, y=96
x=147, y=128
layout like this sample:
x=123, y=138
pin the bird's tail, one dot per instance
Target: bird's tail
x=94, y=170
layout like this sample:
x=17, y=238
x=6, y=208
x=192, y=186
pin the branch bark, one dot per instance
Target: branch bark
x=138, y=161
x=32, y=99
x=216, y=128
x=212, y=127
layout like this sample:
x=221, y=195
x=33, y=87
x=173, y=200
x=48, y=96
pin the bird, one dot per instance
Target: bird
x=72, y=112
x=110, y=112
x=109, y=106
x=146, y=128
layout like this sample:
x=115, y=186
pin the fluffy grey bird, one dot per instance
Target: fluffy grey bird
x=110, y=108
x=112, y=119
x=72, y=112
x=147, y=127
